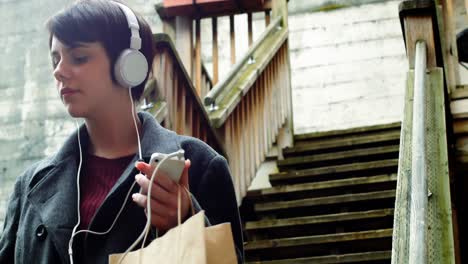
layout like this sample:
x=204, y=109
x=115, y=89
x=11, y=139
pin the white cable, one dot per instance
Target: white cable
x=70, y=242
x=145, y=231
x=74, y=232
x=135, y=122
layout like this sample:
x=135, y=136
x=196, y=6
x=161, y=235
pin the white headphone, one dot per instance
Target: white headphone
x=131, y=66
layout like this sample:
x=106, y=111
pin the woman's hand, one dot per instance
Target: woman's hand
x=163, y=196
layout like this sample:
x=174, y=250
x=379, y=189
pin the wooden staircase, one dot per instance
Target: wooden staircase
x=331, y=202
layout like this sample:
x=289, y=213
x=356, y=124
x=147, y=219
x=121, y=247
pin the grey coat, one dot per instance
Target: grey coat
x=43, y=207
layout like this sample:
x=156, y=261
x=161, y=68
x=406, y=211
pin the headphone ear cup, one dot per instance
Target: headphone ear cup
x=131, y=68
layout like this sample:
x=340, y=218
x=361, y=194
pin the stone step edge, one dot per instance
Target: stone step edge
x=317, y=239
x=318, y=219
x=333, y=259
x=337, y=199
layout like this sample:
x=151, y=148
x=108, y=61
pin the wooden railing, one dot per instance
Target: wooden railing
x=246, y=112
x=249, y=107
x=423, y=231
x=171, y=97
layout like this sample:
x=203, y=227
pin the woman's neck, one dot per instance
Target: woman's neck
x=112, y=132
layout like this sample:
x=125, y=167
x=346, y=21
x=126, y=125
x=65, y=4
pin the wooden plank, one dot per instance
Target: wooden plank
x=333, y=259
x=235, y=155
x=267, y=18
x=232, y=37
x=169, y=69
x=244, y=142
x=461, y=92
x=184, y=42
x=347, y=154
x=250, y=28
x=460, y=126
x=250, y=137
x=313, y=186
x=256, y=124
x=175, y=97
x=348, y=168
x=318, y=219
x=420, y=28
x=189, y=109
x=198, y=62
x=344, y=132
x=344, y=142
x=266, y=111
x=319, y=239
x=446, y=16
x=260, y=107
x=214, y=23
x=181, y=111
x=322, y=201
x=195, y=125
x=459, y=108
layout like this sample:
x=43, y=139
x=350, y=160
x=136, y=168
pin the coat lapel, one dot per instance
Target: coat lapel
x=53, y=195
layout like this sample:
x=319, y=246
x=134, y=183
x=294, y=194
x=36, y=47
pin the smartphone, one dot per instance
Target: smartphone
x=172, y=167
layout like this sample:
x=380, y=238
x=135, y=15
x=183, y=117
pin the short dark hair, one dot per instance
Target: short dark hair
x=104, y=22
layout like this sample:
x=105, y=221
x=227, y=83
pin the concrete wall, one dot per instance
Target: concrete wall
x=33, y=122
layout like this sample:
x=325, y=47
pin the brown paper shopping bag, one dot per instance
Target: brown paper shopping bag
x=187, y=243
x=182, y=244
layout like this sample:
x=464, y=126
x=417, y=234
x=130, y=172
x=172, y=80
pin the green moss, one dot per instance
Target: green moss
x=329, y=7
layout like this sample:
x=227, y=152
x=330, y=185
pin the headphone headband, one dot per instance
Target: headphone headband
x=135, y=40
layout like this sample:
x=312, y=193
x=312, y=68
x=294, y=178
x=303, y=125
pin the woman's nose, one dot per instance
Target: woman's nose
x=61, y=71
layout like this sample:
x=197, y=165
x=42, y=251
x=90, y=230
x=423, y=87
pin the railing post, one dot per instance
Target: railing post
x=232, y=37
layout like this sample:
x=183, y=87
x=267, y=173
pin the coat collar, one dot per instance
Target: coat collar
x=54, y=194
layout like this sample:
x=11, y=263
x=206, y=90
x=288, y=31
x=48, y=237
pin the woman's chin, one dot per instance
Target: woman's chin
x=74, y=112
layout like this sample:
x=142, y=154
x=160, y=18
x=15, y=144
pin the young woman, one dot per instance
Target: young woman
x=84, y=185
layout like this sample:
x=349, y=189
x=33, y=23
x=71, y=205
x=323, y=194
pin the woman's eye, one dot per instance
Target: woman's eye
x=55, y=62
x=80, y=60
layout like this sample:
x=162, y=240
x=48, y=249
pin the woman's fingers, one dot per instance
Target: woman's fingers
x=157, y=192
x=145, y=168
x=184, y=179
x=163, y=217
x=163, y=195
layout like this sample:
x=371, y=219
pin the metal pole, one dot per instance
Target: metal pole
x=417, y=245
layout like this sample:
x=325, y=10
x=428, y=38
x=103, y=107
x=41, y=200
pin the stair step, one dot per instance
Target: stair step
x=320, y=239
x=319, y=224
x=334, y=171
x=323, y=188
x=339, y=157
x=318, y=219
x=334, y=259
x=337, y=144
x=347, y=132
x=322, y=201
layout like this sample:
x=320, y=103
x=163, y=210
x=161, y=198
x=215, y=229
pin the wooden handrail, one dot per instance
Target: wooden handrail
x=228, y=92
x=211, y=97
x=435, y=232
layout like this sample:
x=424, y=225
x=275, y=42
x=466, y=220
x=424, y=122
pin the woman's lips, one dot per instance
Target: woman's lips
x=67, y=91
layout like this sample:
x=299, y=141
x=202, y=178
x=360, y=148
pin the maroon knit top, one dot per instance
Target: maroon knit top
x=97, y=178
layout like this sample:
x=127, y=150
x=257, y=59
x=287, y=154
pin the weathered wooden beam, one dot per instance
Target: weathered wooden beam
x=184, y=42
x=446, y=16
x=420, y=28
x=210, y=8
x=214, y=27
x=232, y=38
x=198, y=62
